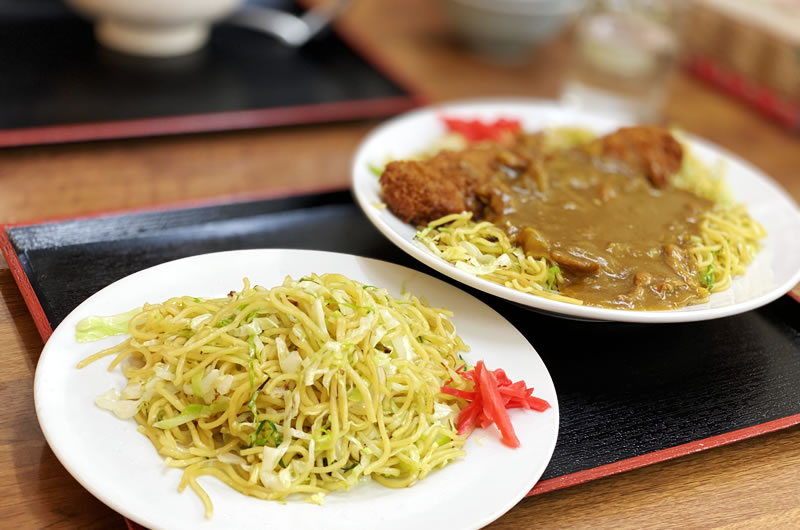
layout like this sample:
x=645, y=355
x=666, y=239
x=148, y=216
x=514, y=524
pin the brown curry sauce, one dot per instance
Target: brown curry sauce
x=605, y=212
x=619, y=241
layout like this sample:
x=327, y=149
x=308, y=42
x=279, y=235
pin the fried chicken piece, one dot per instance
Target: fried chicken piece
x=451, y=181
x=421, y=191
x=416, y=193
x=455, y=181
x=646, y=148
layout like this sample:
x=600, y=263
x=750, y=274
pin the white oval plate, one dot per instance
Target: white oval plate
x=121, y=468
x=775, y=270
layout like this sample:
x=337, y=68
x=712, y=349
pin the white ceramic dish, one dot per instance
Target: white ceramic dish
x=775, y=270
x=154, y=28
x=509, y=29
x=120, y=467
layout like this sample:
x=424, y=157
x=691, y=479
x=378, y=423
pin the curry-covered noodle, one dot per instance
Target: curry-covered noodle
x=304, y=388
x=631, y=220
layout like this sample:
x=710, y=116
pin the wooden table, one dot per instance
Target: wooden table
x=753, y=483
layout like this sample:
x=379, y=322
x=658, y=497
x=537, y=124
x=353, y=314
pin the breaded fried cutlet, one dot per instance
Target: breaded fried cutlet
x=646, y=148
x=420, y=191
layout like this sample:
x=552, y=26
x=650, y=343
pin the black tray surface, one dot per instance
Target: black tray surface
x=625, y=390
x=56, y=74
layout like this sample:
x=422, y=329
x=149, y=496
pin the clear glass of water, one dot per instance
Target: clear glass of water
x=624, y=54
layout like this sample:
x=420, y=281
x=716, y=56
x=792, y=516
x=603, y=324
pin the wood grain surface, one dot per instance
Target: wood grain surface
x=749, y=484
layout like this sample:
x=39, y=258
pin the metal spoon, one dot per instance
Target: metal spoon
x=290, y=29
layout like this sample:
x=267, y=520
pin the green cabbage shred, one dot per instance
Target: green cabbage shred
x=709, y=277
x=100, y=327
x=193, y=412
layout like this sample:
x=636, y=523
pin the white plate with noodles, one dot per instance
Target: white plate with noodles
x=773, y=271
x=213, y=366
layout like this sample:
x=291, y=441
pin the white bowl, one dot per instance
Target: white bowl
x=527, y=6
x=509, y=28
x=158, y=28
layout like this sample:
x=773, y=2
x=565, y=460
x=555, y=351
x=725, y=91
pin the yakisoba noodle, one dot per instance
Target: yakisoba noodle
x=304, y=388
x=727, y=242
x=483, y=249
x=729, y=237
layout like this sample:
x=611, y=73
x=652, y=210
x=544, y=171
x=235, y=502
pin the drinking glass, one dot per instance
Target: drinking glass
x=624, y=54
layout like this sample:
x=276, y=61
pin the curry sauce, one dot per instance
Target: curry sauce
x=618, y=240
x=603, y=210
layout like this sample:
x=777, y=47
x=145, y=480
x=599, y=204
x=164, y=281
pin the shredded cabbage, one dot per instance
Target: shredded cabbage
x=100, y=327
x=193, y=412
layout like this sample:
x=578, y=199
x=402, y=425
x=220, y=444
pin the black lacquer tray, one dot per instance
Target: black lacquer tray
x=58, y=85
x=629, y=394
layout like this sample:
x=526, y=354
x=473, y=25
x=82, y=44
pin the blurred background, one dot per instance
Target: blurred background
x=622, y=53
x=88, y=64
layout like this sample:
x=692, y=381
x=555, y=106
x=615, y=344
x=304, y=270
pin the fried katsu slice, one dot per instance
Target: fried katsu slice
x=648, y=149
x=419, y=191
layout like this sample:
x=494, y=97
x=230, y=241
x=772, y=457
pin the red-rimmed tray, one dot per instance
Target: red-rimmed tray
x=629, y=395
x=65, y=87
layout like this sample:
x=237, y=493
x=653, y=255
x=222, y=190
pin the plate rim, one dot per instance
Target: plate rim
x=537, y=303
x=63, y=456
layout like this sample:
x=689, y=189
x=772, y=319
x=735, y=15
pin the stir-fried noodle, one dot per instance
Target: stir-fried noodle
x=303, y=388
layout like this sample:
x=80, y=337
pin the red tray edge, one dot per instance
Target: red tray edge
x=207, y=122
x=779, y=108
x=628, y=464
x=25, y=287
